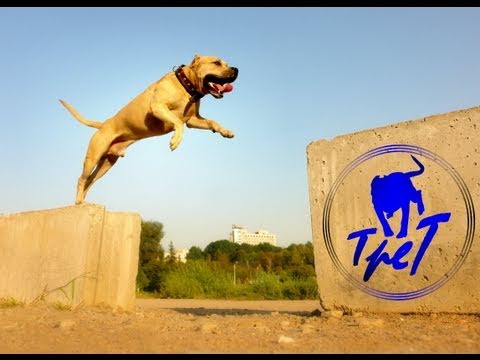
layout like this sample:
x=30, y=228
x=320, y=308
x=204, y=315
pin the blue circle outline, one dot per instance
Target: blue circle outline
x=466, y=198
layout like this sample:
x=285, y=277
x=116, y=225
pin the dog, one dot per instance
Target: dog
x=393, y=192
x=165, y=106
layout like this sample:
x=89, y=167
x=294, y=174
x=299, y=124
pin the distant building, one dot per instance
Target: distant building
x=180, y=254
x=240, y=235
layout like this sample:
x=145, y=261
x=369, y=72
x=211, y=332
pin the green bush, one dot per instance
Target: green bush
x=142, y=280
x=267, y=286
x=196, y=279
x=300, y=289
x=261, y=271
x=155, y=272
x=200, y=279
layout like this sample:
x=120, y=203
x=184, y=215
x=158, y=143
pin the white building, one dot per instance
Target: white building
x=240, y=235
x=180, y=254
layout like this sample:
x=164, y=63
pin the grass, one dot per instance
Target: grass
x=140, y=294
x=62, y=307
x=9, y=302
x=198, y=280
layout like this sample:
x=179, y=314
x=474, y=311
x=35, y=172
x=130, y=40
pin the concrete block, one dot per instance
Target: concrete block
x=74, y=255
x=393, y=216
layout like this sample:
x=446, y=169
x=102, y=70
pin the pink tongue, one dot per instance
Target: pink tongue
x=224, y=88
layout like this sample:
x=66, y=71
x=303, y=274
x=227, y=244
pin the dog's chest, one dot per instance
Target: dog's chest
x=190, y=110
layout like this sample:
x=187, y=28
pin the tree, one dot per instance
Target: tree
x=150, y=256
x=264, y=247
x=302, y=272
x=195, y=253
x=309, y=255
x=266, y=260
x=216, y=249
x=156, y=272
x=150, y=237
x=172, y=257
x=245, y=254
x=294, y=255
x=142, y=279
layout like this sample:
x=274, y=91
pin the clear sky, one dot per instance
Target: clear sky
x=304, y=74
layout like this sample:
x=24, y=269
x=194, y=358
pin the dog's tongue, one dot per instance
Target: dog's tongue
x=223, y=88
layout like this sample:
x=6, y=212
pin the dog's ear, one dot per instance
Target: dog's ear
x=195, y=58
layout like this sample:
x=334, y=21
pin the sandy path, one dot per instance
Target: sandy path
x=217, y=326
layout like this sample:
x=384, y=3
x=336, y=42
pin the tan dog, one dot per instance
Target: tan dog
x=164, y=106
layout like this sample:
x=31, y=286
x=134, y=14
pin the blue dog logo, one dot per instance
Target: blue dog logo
x=390, y=193
x=397, y=229
x=394, y=192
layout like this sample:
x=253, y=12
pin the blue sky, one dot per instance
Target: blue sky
x=304, y=74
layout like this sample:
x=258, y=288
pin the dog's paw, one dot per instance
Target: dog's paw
x=174, y=142
x=227, y=133
x=173, y=146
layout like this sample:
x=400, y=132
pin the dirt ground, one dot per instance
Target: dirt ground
x=218, y=326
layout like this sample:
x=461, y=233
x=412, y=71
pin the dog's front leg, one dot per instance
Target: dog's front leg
x=163, y=113
x=205, y=124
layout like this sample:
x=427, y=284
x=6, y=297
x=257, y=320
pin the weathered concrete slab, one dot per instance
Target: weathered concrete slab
x=72, y=255
x=433, y=265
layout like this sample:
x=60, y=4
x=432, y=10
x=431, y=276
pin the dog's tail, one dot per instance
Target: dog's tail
x=94, y=124
x=416, y=172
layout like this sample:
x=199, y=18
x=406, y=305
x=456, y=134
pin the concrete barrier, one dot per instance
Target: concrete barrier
x=74, y=255
x=393, y=216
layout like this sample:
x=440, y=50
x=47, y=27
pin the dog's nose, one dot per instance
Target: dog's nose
x=235, y=70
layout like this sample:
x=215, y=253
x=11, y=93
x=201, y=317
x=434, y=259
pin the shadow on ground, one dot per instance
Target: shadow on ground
x=208, y=311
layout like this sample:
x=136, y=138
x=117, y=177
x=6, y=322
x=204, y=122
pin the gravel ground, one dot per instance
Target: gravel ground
x=220, y=326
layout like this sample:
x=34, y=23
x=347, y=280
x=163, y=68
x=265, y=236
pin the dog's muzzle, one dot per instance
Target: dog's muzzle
x=217, y=86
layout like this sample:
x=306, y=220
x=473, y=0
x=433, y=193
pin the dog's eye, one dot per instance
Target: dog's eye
x=217, y=63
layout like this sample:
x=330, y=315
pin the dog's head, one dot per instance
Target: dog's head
x=213, y=75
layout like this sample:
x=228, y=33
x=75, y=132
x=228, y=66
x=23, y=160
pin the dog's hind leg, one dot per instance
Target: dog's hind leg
x=118, y=147
x=103, y=166
x=404, y=223
x=387, y=230
x=97, y=149
x=419, y=201
x=115, y=150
